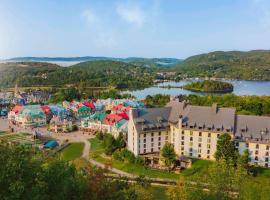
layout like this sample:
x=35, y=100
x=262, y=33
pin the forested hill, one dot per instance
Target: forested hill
x=25, y=72
x=94, y=73
x=139, y=61
x=251, y=65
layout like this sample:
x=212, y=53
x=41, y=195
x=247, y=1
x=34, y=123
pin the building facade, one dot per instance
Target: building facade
x=194, y=131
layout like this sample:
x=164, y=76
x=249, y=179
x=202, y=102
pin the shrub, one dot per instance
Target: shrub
x=99, y=135
x=139, y=160
x=74, y=127
x=117, y=155
x=124, y=155
x=109, y=144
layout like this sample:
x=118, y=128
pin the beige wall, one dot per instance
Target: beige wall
x=258, y=153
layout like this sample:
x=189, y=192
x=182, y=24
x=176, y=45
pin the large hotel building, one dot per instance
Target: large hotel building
x=194, y=131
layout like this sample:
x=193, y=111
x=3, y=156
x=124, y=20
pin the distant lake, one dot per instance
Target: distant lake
x=258, y=88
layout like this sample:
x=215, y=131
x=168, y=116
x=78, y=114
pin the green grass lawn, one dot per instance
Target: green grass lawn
x=159, y=192
x=72, y=152
x=97, y=150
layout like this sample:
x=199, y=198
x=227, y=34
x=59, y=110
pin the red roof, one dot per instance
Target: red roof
x=121, y=107
x=111, y=119
x=17, y=109
x=46, y=109
x=123, y=115
x=89, y=105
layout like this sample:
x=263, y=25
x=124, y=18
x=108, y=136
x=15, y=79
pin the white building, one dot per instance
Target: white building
x=194, y=131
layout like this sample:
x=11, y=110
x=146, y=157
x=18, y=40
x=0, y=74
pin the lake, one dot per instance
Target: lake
x=258, y=88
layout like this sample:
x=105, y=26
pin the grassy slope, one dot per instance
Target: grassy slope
x=96, y=150
x=72, y=152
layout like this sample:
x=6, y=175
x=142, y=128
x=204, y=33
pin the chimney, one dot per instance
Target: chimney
x=215, y=108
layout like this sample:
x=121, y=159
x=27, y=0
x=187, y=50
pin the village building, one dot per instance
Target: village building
x=60, y=125
x=30, y=117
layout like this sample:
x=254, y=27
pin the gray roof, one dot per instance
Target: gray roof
x=245, y=127
x=202, y=117
x=152, y=119
x=210, y=117
x=255, y=128
x=178, y=109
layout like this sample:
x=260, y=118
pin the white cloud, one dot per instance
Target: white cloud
x=131, y=14
x=102, y=34
x=89, y=16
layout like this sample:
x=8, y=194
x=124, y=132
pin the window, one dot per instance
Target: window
x=152, y=144
x=200, y=133
x=190, y=149
x=266, y=165
x=199, y=156
x=190, y=154
x=199, y=145
x=257, y=146
x=256, y=157
x=183, y=132
x=208, y=146
x=247, y=145
x=256, y=152
x=144, y=135
x=191, y=133
x=159, y=143
x=218, y=135
x=166, y=138
x=209, y=134
x=158, y=148
x=144, y=151
x=267, y=153
x=182, y=148
x=208, y=157
x=237, y=144
x=144, y=140
x=182, y=143
x=144, y=146
x=159, y=138
x=208, y=151
x=183, y=137
x=267, y=147
x=159, y=133
x=182, y=153
x=152, y=139
x=209, y=140
x=266, y=159
x=191, y=138
x=152, y=149
x=200, y=140
x=152, y=134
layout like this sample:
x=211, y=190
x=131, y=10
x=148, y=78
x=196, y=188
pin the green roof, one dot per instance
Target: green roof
x=120, y=123
x=84, y=109
x=34, y=113
x=98, y=116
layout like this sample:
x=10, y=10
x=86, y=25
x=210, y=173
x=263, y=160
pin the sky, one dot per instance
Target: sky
x=131, y=28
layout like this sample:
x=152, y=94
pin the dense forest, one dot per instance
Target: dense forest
x=85, y=74
x=250, y=105
x=252, y=65
x=209, y=86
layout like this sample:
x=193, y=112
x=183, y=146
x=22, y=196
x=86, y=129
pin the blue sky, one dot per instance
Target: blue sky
x=123, y=28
